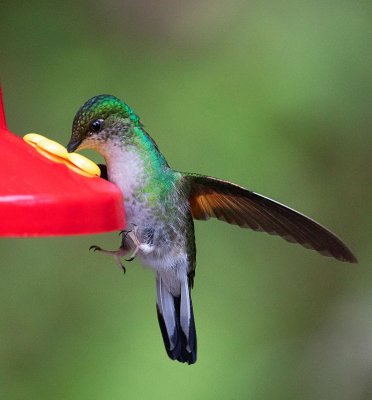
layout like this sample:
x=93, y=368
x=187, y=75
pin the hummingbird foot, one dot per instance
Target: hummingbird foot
x=113, y=253
x=132, y=235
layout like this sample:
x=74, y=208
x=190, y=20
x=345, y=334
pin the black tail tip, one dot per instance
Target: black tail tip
x=181, y=354
x=184, y=351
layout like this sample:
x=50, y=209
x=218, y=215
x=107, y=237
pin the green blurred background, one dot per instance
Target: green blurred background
x=273, y=95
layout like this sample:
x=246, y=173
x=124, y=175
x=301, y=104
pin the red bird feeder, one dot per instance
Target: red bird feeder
x=39, y=197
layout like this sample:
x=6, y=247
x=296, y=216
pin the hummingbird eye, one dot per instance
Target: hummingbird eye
x=96, y=125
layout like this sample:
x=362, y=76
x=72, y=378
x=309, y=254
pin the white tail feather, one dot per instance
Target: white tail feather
x=166, y=307
x=185, y=310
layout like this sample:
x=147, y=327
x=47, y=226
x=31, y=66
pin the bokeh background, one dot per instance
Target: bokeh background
x=273, y=95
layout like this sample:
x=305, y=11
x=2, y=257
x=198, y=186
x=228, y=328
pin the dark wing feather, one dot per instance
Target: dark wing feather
x=211, y=197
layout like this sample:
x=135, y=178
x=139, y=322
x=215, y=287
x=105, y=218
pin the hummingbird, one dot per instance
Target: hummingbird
x=161, y=204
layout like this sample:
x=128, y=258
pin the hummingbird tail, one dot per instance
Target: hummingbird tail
x=176, y=320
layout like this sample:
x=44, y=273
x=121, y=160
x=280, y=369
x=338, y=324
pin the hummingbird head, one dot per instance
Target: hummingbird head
x=101, y=119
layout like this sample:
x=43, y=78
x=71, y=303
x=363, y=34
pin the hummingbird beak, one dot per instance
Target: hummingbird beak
x=73, y=145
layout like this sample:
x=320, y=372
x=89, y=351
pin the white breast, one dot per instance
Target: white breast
x=125, y=168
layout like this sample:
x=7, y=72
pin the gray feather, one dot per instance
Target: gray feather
x=165, y=304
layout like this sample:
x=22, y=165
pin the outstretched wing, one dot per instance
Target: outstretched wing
x=211, y=197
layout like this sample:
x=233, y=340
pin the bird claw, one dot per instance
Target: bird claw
x=113, y=253
x=95, y=248
x=126, y=232
x=132, y=234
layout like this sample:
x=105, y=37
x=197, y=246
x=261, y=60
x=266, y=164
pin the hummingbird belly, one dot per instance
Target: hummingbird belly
x=161, y=241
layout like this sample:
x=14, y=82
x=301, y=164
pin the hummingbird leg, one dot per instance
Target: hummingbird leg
x=121, y=251
x=113, y=253
x=125, y=247
x=125, y=234
x=132, y=235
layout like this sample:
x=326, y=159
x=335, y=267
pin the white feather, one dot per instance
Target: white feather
x=166, y=307
x=185, y=311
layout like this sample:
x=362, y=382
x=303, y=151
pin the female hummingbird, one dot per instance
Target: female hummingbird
x=161, y=204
